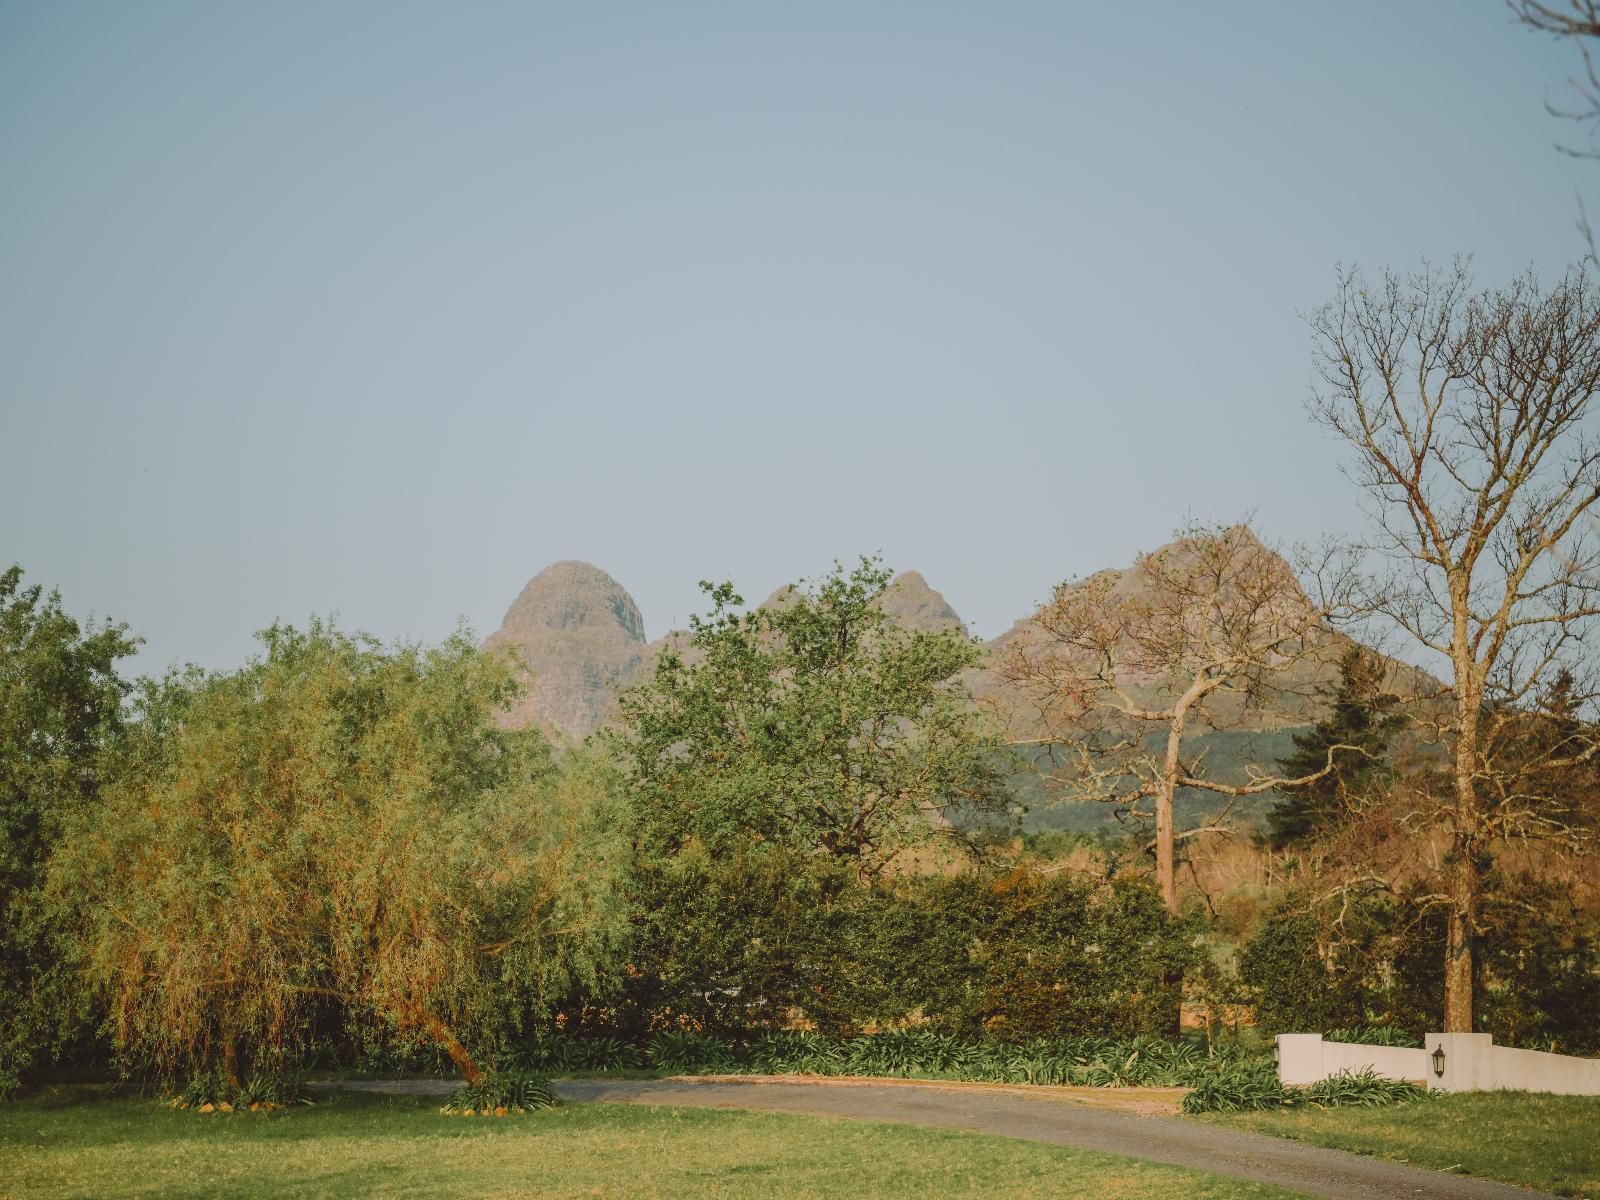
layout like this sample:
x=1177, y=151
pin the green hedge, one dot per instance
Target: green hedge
x=1142, y=1061
x=766, y=939
x=1538, y=982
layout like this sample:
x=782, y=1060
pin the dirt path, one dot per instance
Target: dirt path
x=1044, y=1115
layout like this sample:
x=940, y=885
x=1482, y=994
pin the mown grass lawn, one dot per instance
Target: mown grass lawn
x=72, y=1142
x=1548, y=1142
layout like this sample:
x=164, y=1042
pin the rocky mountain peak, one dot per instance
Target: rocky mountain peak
x=915, y=605
x=580, y=636
x=572, y=594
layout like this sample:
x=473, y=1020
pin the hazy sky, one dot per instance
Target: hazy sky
x=378, y=309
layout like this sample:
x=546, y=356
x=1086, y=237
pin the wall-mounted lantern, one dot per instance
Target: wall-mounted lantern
x=1274, y=1051
x=1438, y=1060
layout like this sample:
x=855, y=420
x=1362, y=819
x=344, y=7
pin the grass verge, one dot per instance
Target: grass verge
x=76, y=1142
x=1547, y=1142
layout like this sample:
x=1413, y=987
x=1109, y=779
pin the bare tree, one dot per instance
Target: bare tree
x=1580, y=21
x=1577, y=19
x=1470, y=416
x=1204, y=633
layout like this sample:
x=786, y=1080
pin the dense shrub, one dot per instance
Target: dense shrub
x=1379, y=965
x=501, y=1095
x=1542, y=972
x=1243, y=1087
x=762, y=938
x=1254, y=1086
x=212, y=1091
x=733, y=944
x=1291, y=985
x=1025, y=955
x=1382, y=969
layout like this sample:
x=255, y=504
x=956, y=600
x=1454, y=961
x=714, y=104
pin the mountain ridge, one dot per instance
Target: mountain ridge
x=581, y=638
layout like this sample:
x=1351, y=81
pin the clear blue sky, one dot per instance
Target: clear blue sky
x=377, y=309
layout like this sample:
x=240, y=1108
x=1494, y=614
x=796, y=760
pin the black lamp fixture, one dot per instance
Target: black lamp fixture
x=1438, y=1060
x=1274, y=1051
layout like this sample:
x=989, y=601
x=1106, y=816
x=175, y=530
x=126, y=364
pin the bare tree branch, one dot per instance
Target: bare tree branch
x=1476, y=452
x=1201, y=634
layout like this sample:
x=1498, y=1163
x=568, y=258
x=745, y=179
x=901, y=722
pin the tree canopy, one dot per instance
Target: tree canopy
x=339, y=827
x=814, y=722
x=60, y=707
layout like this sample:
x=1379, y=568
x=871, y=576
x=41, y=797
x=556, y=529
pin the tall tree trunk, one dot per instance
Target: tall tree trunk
x=1171, y=765
x=1463, y=860
x=1166, y=872
x=1458, y=960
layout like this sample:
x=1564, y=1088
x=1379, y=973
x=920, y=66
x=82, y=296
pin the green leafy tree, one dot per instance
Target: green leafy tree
x=339, y=825
x=60, y=705
x=1354, y=736
x=815, y=723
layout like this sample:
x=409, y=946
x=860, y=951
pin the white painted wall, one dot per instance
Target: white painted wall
x=1304, y=1058
x=1391, y=1062
x=1472, y=1063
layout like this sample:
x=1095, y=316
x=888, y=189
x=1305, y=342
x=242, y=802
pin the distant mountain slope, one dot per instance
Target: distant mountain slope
x=1298, y=694
x=1228, y=753
x=1230, y=736
x=582, y=639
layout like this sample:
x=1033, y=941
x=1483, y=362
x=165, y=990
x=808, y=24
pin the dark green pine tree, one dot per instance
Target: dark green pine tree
x=1363, y=715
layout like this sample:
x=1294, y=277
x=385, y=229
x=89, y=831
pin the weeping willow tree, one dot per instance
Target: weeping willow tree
x=339, y=824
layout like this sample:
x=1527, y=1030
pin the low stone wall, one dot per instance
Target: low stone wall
x=1305, y=1058
x=1471, y=1063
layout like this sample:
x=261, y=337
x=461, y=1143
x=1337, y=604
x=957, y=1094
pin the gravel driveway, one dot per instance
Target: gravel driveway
x=1054, y=1118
